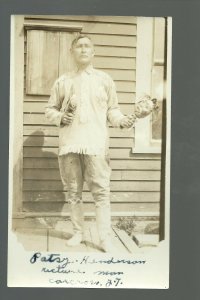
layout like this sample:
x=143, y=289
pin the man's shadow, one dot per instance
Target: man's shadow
x=41, y=165
x=44, y=199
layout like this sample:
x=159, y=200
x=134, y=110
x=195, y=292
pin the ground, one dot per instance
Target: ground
x=42, y=235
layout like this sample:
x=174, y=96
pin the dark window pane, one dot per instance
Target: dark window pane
x=157, y=122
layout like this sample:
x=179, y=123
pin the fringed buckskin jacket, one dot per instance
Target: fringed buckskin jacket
x=97, y=106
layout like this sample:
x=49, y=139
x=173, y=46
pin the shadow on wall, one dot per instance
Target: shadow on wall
x=42, y=186
x=43, y=198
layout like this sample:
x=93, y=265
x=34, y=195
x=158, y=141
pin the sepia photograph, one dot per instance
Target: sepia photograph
x=89, y=150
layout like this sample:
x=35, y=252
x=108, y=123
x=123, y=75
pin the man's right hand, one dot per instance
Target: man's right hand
x=127, y=121
x=67, y=118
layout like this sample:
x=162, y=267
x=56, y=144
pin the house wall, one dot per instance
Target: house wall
x=135, y=181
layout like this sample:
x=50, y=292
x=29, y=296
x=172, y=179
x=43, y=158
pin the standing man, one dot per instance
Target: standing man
x=83, y=137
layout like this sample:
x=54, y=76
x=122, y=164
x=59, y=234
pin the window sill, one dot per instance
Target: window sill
x=146, y=149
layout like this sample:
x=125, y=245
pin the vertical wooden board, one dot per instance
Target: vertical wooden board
x=16, y=113
x=42, y=61
x=126, y=240
x=66, y=62
x=159, y=40
x=120, y=248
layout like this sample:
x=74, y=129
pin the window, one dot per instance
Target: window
x=151, y=80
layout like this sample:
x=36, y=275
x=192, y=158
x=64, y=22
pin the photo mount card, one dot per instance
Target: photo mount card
x=133, y=55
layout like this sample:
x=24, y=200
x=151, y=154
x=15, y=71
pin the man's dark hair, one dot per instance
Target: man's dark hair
x=80, y=36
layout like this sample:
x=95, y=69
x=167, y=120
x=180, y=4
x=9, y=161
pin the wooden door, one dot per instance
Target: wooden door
x=48, y=57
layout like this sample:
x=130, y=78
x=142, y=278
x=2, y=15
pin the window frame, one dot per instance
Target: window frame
x=145, y=65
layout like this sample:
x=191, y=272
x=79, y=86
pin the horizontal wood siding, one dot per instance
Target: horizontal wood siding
x=44, y=174
x=135, y=180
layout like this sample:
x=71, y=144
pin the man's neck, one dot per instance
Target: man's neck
x=84, y=67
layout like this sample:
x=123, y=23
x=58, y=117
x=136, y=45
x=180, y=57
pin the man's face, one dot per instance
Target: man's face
x=83, y=51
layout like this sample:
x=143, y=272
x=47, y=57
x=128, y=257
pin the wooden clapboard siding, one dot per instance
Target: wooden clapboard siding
x=111, y=51
x=123, y=185
x=60, y=196
x=35, y=174
x=117, y=164
x=89, y=26
x=89, y=207
x=101, y=36
x=53, y=141
x=39, y=107
x=123, y=97
x=31, y=131
x=135, y=180
x=35, y=130
x=124, y=153
x=85, y=19
x=125, y=86
x=125, y=75
x=39, y=118
x=123, y=63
